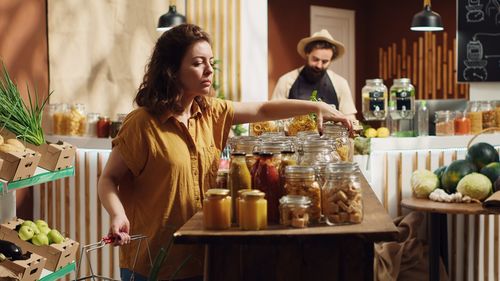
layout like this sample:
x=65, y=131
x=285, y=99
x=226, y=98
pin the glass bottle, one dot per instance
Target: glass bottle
x=489, y=115
x=461, y=123
x=247, y=145
x=374, y=96
x=403, y=95
x=217, y=209
x=294, y=210
x=476, y=117
x=343, y=144
x=423, y=119
x=253, y=210
x=265, y=177
x=48, y=118
x=444, y=123
x=301, y=180
x=318, y=150
x=342, y=196
x=114, y=128
x=239, y=178
x=103, y=127
x=92, y=119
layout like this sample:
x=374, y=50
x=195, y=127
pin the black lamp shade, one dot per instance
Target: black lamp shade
x=426, y=20
x=170, y=19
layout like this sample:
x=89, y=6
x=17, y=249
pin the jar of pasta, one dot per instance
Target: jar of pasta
x=217, y=209
x=259, y=128
x=489, y=115
x=253, y=210
x=294, y=210
x=58, y=125
x=497, y=113
x=444, y=123
x=301, y=123
x=301, y=180
x=343, y=144
x=239, y=178
x=461, y=123
x=342, y=196
x=476, y=117
x=265, y=177
x=75, y=120
x=318, y=150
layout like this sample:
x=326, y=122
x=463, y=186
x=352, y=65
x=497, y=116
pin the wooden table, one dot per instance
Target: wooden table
x=279, y=253
x=438, y=226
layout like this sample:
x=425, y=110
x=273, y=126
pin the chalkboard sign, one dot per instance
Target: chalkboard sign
x=478, y=37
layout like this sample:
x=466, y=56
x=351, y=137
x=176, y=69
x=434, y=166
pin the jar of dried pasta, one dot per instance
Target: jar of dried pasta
x=489, y=115
x=259, y=128
x=294, y=210
x=75, y=120
x=343, y=144
x=301, y=180
x=342, y=197
x=300, y=123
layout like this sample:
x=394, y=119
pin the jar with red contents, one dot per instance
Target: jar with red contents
x=266, y=179
x=462, y=123
x=103, y=126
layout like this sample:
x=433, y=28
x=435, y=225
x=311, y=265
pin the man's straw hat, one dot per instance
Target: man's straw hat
x=322, y=35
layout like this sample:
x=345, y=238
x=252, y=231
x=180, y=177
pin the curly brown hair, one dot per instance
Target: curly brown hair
x=160, y=90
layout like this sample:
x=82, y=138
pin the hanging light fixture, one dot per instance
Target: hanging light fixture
x=426, y=20
x=170, y=19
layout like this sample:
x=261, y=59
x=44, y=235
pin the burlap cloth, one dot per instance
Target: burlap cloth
x=407, y=258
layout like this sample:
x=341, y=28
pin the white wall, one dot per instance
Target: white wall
x=484, y=91
x=254, y=50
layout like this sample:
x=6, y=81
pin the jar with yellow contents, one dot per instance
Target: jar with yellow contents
x=217, y=209
x=75, y=120
x=253, y=210
x=343, y=144
x=238, y=178
x=301, y=180
x=237, y=205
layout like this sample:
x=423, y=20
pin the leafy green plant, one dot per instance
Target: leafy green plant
x=23, y=120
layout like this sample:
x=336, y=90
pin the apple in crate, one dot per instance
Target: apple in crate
x=32, y=225
x=55, y=237
x=40, y=240
x=25, y=233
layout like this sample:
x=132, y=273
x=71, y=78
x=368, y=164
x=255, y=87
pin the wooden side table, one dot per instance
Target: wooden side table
x=438, y=226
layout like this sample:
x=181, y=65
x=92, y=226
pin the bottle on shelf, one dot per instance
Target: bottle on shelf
x=423, y=119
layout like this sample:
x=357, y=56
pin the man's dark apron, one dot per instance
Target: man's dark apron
x=302, y=89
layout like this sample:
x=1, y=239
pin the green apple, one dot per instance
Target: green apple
x=41, y=223
x=26, y=233
x=55, y=237
x=44, y=229
x=40, y=239
x=32, y=225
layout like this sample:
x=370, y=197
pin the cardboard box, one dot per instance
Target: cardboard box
x=26, y=270
x=57, y=255
x=18, y=165
x=55, y=156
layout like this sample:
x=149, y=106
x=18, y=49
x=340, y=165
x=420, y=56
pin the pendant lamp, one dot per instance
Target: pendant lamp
x=170, y=19
x=426, y=20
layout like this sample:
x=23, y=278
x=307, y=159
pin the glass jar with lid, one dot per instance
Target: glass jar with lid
x=402, y=93
x=374, y=96
x=217, y=209
x=265, y=177
x=238, y=202
x=444, y=123
x=489, y=115
x=238, y=178
x=322, y=150
x=253, y=210
x=48, y=118
x=294, y=210
x=343, y=144
x=58, y=120
x=461, y=123
x=92, y=119
x=476, y=117
x=75, y=120
x=301, y=180
x=247, y=145
x=103, y=126
x=497, y=112
x=342, y=196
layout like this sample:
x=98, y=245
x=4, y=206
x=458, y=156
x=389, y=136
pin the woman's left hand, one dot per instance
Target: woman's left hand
x=327, y=113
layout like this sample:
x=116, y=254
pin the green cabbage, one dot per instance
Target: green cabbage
x=423, y=182
x=475, y=185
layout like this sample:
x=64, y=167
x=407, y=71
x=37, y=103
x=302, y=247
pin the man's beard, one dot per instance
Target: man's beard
x=312, y=75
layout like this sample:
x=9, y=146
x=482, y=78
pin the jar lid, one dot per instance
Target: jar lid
x=253, y=194
x=241, y=191
x=341, y=167
x=374, y=81
x=238, y=153
x=295, y=200
x=299, y=170
x=217, y=192
x=325, y=144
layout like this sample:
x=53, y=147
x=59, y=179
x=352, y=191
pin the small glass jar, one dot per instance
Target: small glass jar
x=294, y=210
x=476, y=117
x=238, y=178
x=288, y=158
x=497, y=113
x=253, y=210
x=374, y=96
x=92, y=119
x=301, y=180
x=403, y=96
x=103, y=126
x=489, y=115
x=238, y=202
x=265, y=177
x=461, y=123
x=222, y=178
x=444, y=123
x=217, y=209
x=114, y=128
x=343, y=144
x=258, y=128
x=342, y=196
x=318, y=150
x=75, y=120
x=300, y=123
x=58, y=125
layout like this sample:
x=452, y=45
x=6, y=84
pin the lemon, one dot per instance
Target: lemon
x=370, y=133
x=383, y=132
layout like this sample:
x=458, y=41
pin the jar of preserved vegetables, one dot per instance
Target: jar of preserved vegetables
x=239, y=178
x=253, y=210
x=402, y=93
x=343, y=144
x=489, y=115
x=301, y=180
x=265, y=177
x=318, y=150
x=374, y=95
x=217, y=209
x=103, y=126
x=461, y=123
x=247, y=145
x=476, y=117
x=444, y=123
x=342, y=196
x=294, y=210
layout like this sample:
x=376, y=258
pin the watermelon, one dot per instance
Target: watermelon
x=492, y=171
x=482, y=154
x=454, y=173
x=439, y=173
